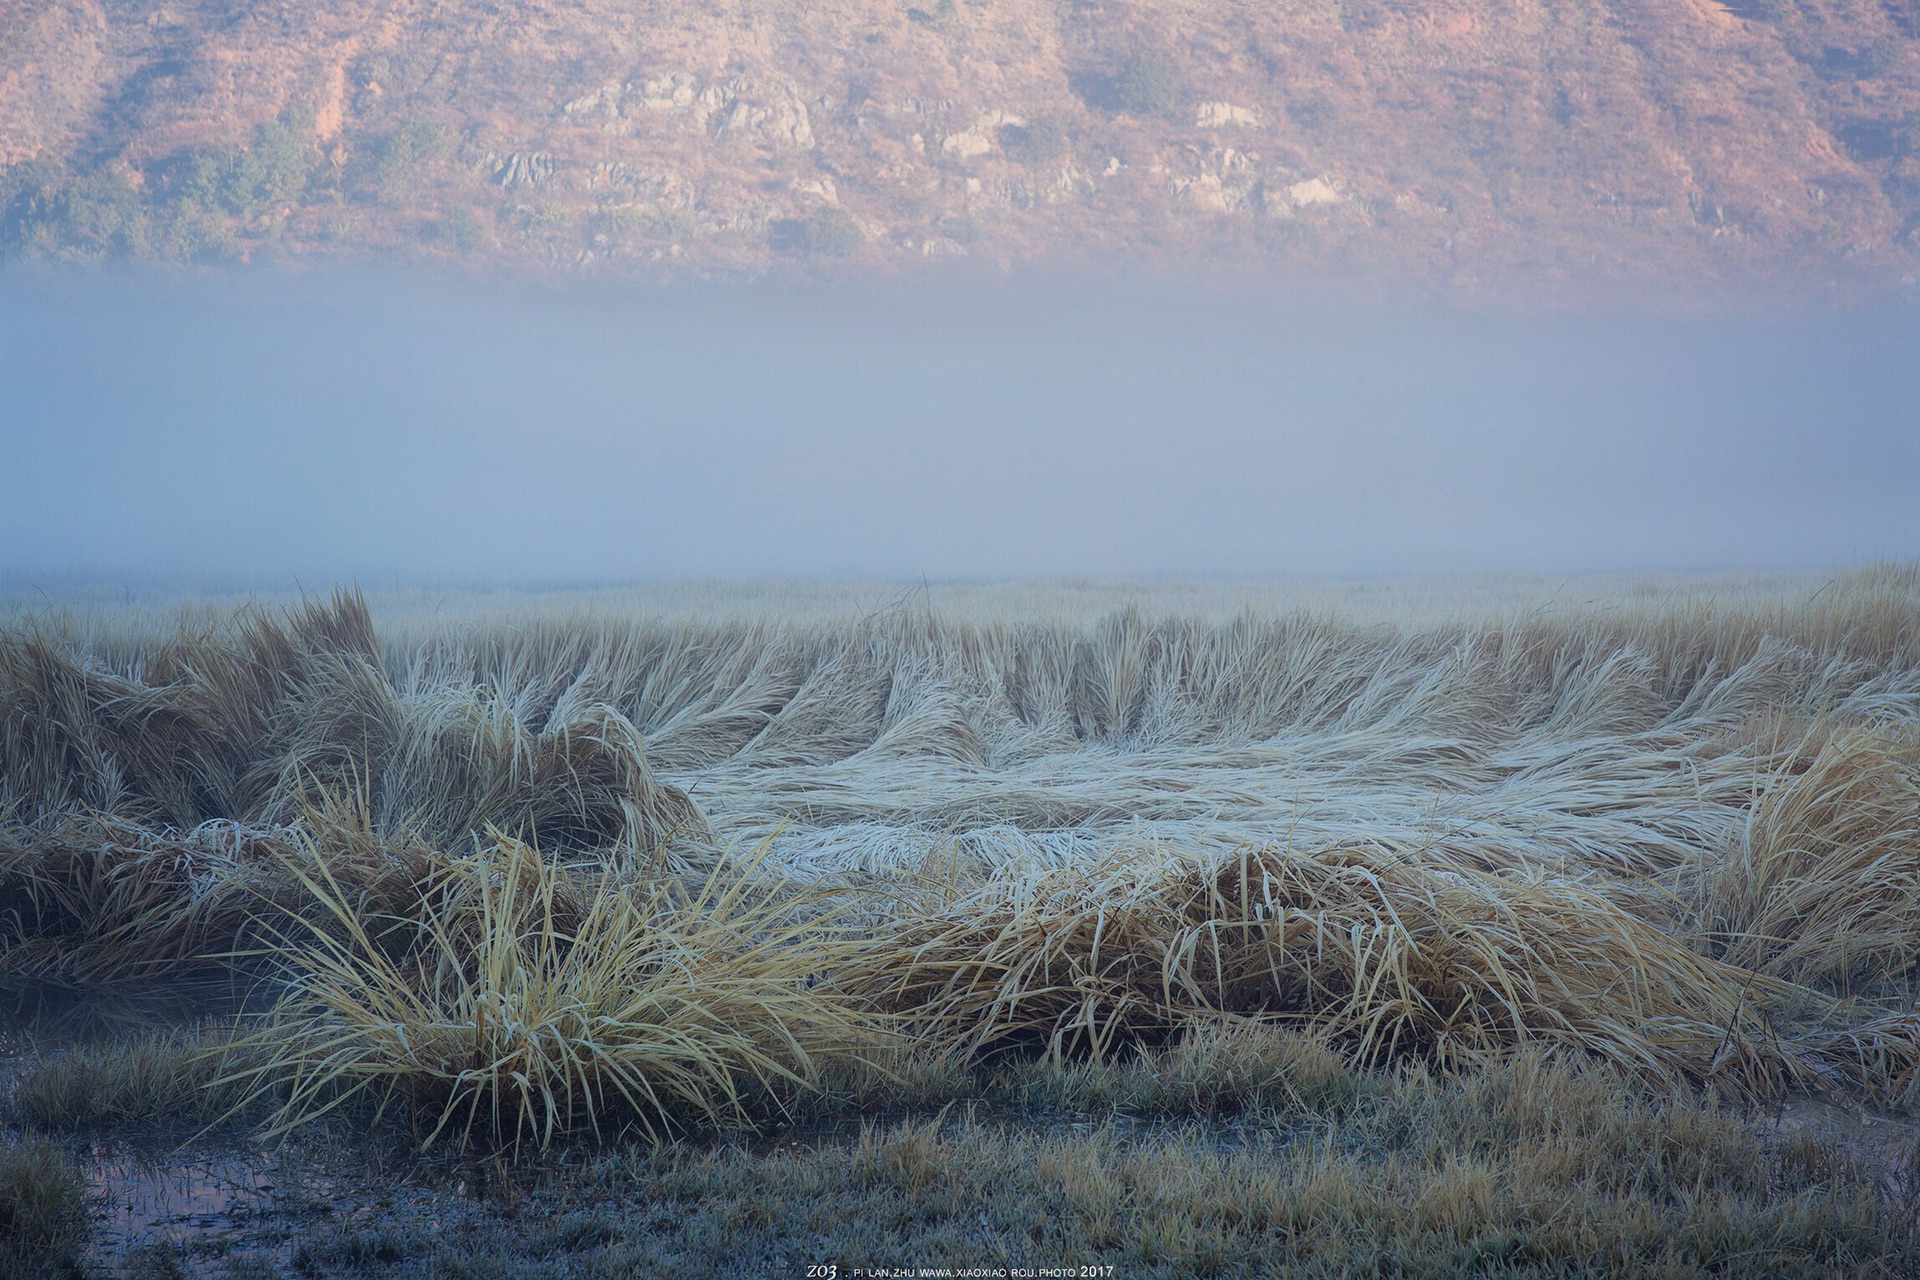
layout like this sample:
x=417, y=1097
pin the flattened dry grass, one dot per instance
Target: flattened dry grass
x=1385, y=953
x=92, y=901
x=1821, y=882
x=1679, y=839
x=253, y=721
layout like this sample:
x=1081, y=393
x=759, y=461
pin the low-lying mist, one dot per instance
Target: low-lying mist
x=250, y=429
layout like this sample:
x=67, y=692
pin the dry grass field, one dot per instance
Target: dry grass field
x=1493, y=927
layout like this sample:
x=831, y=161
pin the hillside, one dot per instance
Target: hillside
x=1455, y=142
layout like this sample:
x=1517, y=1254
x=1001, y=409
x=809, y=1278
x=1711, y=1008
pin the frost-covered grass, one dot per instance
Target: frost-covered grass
x=591, y=873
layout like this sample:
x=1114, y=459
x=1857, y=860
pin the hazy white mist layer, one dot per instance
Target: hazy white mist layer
x=249, y=429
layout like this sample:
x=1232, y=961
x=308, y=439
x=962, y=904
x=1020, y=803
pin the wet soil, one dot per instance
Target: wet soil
x=221, y=1200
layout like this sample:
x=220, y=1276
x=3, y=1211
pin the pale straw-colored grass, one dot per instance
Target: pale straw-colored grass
x=1673, y=831
x=1386, y=954
x=1821, y=880
x=522, y=998
x=93, y=901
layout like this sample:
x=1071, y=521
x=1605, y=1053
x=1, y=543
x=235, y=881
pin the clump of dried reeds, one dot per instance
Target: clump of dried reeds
x=93, y=900
x=523, y=998
x=1385, y=952
x=1821, y=880
x=254, y=722
x=1670, y=836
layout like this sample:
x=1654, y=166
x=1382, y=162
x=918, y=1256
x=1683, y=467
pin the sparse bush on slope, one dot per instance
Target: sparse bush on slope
x=1146, y=83
x=273, y=171
x=202, y=203
x=405, y=158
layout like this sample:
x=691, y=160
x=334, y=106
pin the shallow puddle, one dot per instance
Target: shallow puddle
x=147, y=1196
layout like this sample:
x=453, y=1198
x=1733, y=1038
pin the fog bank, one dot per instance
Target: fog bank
x=254, y=429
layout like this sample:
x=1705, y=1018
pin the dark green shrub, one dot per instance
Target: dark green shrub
x=198, y=234
x=650, y=221
x=100, y=215
x=273, y=171
x=1880, y=57
x=943, y=13
x=200, y=177
x=1035, y=142
x=1313, y=113
x=960, y=227
x=832, y=233
x=548, y=220
x=465, y=229
x=405, y=157
x=1871, y=140
x=787, y=235
x=1146, y=83
x=29, y=205
x=829, y=233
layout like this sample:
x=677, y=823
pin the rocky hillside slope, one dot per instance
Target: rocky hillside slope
x=1453, y=141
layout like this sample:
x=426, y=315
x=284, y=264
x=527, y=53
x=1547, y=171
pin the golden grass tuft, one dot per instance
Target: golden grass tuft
x=527, y=998
x=1821, y=881
x=1386, y=953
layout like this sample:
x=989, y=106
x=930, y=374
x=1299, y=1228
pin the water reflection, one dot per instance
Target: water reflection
x=148, y=1195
